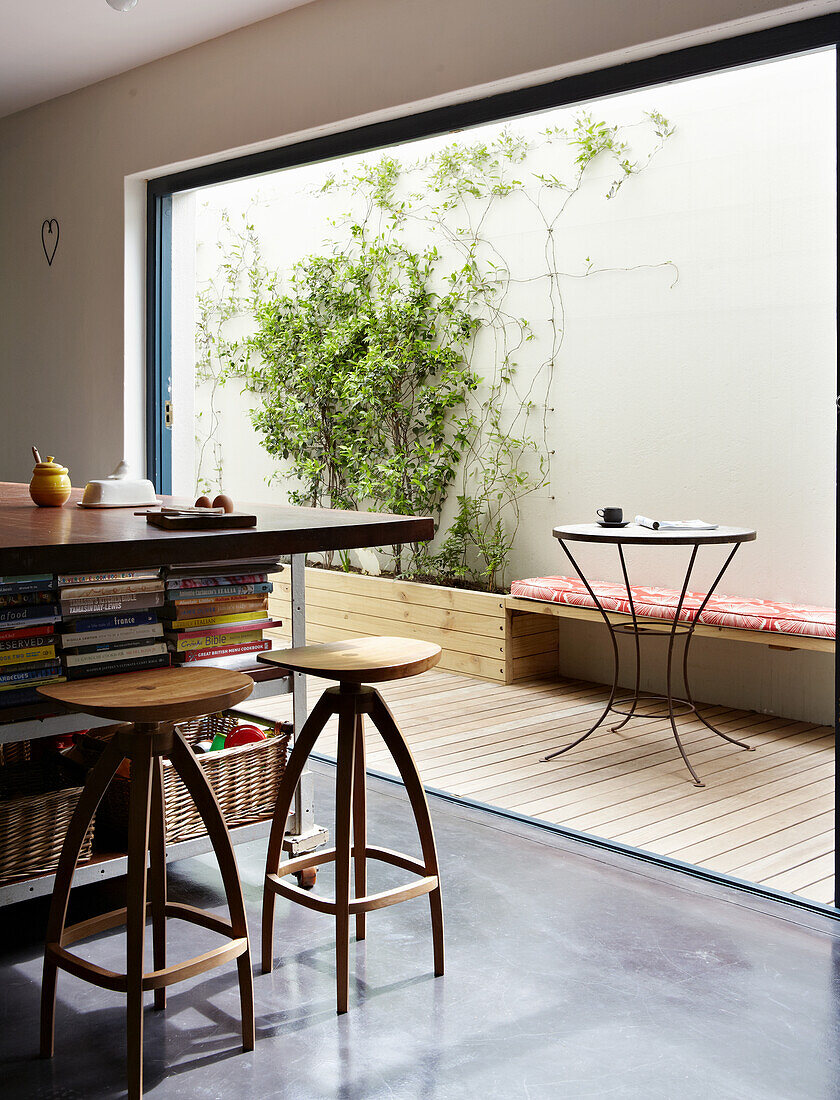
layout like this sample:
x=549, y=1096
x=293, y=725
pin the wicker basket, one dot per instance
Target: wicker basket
x=245, y=781
x=34, y=821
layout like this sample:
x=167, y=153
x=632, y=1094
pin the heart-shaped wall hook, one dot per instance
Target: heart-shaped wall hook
x=49, y=238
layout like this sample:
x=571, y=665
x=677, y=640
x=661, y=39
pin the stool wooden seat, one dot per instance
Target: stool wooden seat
x=152, y=700
x=355, y=663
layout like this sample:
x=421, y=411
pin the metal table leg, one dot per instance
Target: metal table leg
x=631, y=702
x=611, y=629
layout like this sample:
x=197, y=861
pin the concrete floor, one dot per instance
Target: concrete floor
x=569, y=974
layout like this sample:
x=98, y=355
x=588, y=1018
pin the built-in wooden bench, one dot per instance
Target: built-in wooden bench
x=776, y=625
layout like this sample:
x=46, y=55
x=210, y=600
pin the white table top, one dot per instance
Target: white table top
x=634, y=535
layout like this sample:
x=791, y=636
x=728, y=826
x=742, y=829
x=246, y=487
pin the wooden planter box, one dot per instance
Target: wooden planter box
x=478, y=634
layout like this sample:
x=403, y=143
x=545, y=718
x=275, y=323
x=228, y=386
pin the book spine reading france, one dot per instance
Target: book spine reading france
x=28, y=654
x=217, y=610
x=110, y=622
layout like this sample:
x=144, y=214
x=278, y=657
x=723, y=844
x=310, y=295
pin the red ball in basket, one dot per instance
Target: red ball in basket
x=244, y=735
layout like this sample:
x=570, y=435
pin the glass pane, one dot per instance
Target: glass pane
x=627, y=303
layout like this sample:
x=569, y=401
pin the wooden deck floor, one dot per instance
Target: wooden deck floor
x=765, y=816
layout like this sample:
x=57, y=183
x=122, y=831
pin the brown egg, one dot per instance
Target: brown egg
x=203, y=502
x=223, y=501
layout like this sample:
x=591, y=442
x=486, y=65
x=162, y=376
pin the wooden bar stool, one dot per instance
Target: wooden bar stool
x=151, y=701
x=355, y=664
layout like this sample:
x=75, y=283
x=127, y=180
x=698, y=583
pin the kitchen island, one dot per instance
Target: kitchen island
x=75, y=540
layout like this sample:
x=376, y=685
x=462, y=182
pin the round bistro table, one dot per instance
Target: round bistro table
x=634, y=535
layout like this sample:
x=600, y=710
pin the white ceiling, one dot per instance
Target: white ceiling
x=50, y=47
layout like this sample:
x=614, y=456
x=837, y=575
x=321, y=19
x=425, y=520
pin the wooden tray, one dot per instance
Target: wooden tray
x=194, y=522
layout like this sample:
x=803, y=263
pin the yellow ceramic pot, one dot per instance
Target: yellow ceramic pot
x=50, y=484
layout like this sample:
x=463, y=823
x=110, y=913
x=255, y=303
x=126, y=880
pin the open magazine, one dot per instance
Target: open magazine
x=675, y=524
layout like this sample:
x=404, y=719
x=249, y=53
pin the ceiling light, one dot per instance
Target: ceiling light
x=121, y=5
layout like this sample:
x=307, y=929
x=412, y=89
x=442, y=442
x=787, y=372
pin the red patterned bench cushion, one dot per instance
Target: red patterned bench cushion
x=660, y=603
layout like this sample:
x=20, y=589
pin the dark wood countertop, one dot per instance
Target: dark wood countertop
x=71, y=539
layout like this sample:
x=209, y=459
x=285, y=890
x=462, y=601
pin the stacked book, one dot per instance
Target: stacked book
x=110, y=622
x=28, y=658
x=217, y=610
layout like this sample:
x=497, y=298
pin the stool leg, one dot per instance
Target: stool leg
x=95, y=788
x=384, y=721
x=207, y=805
x=359, y=823
x=343, y=816
x=304, y=743
x=135, y=924
x=157, y=875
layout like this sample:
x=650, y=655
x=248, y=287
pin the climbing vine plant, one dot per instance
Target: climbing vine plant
x=400, y=368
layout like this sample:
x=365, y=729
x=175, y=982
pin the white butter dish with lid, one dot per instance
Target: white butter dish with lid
x=118, y=490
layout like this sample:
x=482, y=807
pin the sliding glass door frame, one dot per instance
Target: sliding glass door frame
x=702, y=60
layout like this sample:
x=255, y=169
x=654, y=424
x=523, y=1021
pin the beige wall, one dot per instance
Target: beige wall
x=71, y=335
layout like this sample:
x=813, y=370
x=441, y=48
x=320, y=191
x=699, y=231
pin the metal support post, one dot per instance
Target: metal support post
x=302, y=825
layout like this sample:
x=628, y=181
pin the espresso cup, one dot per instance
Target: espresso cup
x=611, y=515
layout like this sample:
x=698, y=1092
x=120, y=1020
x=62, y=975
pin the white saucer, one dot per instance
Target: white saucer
x=123, y=504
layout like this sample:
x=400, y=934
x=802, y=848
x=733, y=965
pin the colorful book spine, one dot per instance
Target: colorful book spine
x=198, y=597
x=227, y=628
x=25, y=696
x=106, y=669
x=32, y=637
x=234, y=591
x=214, y=641
x=111, y=637
x=110, y=654
x=8, y=681
x=218, y=620
x=17, y=633
x=27, y=599
x=114, y=621
x=100, y=591
x=231, y=567
x=33, y=616
x=16, y=696
x=188, y=610
x=239, y=579
x=36, y=670
x=20, y=656
x=126, y=602
x=225, y=651
x=67, y=579
x=27, y=584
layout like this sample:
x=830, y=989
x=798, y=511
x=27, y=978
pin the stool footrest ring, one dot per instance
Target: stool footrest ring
x=424, y=885
x=87, y=971
x=200, y=917
x=153, y=979
x=83, y=929
x=72, y=933
x=217, y=956
x=391, y=897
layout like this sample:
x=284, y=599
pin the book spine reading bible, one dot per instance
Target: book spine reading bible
x=224, y=651
x=210, y=615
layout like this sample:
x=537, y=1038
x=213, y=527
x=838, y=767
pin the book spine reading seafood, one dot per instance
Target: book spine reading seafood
x=212, y=613
x=28, y=655
x=110, y=622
